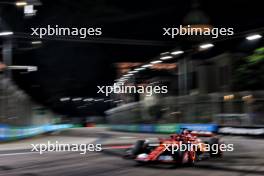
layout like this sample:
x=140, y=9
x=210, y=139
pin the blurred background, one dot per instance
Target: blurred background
x=50, y=84
x=221, y=84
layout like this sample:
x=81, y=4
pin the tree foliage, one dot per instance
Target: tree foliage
x=249, y=72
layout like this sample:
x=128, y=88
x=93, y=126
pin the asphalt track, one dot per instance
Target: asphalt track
x=246, y=160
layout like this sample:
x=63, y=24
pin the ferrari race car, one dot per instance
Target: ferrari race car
x=185, y=148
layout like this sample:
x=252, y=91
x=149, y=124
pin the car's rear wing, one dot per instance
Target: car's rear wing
x=198, y=133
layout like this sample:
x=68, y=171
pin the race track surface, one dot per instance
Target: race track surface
x=246, y=160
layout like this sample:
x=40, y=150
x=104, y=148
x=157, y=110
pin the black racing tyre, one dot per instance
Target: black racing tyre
x=218, y=153
x=138, y=147
x=181, y=157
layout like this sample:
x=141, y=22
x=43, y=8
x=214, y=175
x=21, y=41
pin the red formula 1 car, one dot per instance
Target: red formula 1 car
x=185, y=148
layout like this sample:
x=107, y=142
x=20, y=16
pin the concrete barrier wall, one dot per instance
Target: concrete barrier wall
x=176, y=128
x=164, y=128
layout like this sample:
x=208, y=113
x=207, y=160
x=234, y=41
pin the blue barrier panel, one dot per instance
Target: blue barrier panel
x=132, y=128
x=13, y=133
x=147, y=128
x=167, y=128
x=118, y=127
x=201, y=127
x=3, y=132
x=164, y=128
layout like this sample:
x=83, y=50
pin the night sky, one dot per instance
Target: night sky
x=75, y=68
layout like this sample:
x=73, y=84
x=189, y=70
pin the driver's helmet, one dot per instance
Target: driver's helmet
x=186, y=132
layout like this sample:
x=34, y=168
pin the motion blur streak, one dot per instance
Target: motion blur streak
x=247, y=159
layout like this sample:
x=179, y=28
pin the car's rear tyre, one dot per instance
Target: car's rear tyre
x=135, y=150
x=185, y=158
x=218, y=153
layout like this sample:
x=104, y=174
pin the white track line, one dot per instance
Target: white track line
x=13, y=154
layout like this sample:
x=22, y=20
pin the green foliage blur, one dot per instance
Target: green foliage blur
x=249, y=72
